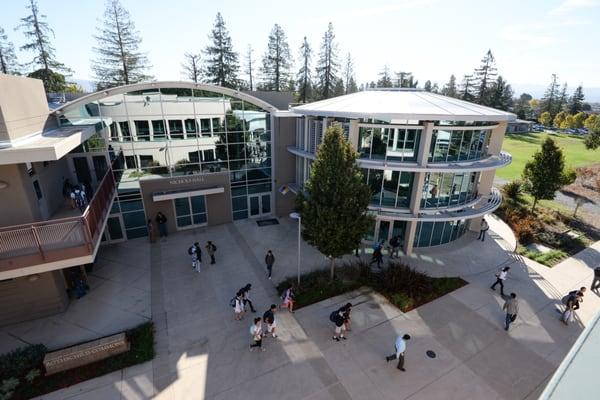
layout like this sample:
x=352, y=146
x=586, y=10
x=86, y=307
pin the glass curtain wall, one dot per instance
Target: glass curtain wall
x=447, y=189
x=389, y=188
x=462, y=145
x=393, y=144
x=436, y=233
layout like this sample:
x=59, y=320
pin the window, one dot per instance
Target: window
x=146, y=161
x=190, y=128
x=205, y=126
x=125, y=132
x=194, y=156
x=208, y=155
x=176, y=129
x=158, y=126
x=190, y=211
x=142, y=130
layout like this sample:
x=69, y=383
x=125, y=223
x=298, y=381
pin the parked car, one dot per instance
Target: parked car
x=571, y=131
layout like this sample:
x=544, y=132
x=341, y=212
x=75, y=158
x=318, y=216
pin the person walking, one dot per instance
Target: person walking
x=400, y=346
x=511, y=306
x=483, y=230
x=269, y=260
x=377, y=256
x=79, y=197
x=346, y=310
x=269, y=320
x=337, y=317
x=238, y=307
x=500, y=278
x=211, y=249
x=596, y=281
x=151, y=231
x=245, y=292
x=161, y=220
x=196, y=254
x=256, y=334
x=395, y=246
x=288, y=298
x=572, y=304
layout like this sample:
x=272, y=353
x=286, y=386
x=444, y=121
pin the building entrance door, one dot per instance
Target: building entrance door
x=387, y=229
x=259, y=204
x=114, y=231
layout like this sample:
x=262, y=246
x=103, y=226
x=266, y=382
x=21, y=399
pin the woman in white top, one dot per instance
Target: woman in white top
x=288, y=299
x=256, y=334
x=239, y=308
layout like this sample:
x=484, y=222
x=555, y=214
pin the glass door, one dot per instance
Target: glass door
x=114, y=231
x=259, y=205
x=190, y=212
x=383, y=231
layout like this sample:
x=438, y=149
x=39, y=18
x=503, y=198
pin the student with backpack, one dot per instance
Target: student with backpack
x=245, y=292
x=571, y=301
x=269, y=319
x=338, y=317
x=211, y=249
x=196, y=254
x=395, y=246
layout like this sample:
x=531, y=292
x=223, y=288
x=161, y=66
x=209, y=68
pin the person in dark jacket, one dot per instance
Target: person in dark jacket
x=269, y=260
x=596, y=281
x=245, y=292
x=161, y=220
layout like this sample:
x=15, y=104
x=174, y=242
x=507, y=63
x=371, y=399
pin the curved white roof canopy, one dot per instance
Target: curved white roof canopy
x=168, y=85
x=389, y=105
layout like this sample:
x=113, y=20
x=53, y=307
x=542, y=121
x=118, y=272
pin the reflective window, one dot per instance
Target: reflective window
x=447, y=189
x=389, y=188
x=437, y=233
x=393, y=144
x=448, y=146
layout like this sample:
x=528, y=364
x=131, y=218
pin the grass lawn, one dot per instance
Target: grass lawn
x=522, y=147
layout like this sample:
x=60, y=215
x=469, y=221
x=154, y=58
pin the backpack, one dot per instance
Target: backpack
x=333, y=316
x=567, y=296
x=214, y=248
x=232, y=302
x=190, y=250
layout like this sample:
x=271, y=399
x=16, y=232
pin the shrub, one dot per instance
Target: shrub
x=524, y=229
x=402, y=301
x=22, y=360
x=513, y=189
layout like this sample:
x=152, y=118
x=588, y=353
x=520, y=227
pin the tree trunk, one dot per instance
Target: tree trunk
x=535, y=200
x=332, y=268
x=576, y=208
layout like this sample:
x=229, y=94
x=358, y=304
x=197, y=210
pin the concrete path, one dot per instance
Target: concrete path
x=202, y=353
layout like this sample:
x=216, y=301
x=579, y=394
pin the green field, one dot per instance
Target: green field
x=522, y=147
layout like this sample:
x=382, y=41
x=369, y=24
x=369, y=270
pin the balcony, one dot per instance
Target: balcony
x=60, y=243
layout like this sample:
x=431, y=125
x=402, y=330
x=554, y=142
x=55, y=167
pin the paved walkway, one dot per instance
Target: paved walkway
x=202, y=352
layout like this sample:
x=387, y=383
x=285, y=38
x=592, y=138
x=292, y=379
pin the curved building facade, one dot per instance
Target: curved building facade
x=430, y=160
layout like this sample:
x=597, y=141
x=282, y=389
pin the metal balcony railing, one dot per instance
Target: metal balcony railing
x=58, y=240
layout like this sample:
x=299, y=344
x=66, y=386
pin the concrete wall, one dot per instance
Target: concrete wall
x=23, y=107
x=18, y=197
x=218, y=206
x=23, y=299
x=284, y=164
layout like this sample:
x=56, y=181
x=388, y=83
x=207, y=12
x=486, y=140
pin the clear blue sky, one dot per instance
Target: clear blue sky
x=432, y=38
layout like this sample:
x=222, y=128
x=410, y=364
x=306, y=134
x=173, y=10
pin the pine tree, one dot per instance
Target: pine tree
x=385, y=80
x=191, y=67
x=549, y=103
x=449, y=88
x=276, y=61
x=303, y=76
x=545, y=173
x=501, y=95
x=563, y=98
x=250, y=68
x=36, y=29
x=485, y=75
x=435, y=88
x=522, y=107
x=119, y=61
x=405, y=80
x=338, y=89
x=221, y=62
x=592, y=139
x=427, y=86
x=467, y=88
x=334, y=209
x=576, y=101
x=327, y=66
x=349, y=82
x=8, y=59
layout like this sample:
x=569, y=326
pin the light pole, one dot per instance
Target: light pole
x=167, y=157
x=297, y=216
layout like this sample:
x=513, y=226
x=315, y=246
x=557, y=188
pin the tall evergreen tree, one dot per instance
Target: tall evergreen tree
x=334, y=209
x=303, y=77
x=250, y=68
x=427, y=86
x=385, y=80
x=522, y=107
x=563, y=99
x=191, y=66
x=435, y=88
x=119, y=61
x=8, y=59
x=467, y=88
x=449, y=88
x=37, y=31
x=501, y=95
x=221, y=61
x=485, y=76
x=549, y=101
x=339, y=89
x=349, y=82
x=276, y=61
x=405, y=80
x=327, y=65
x=576, y=101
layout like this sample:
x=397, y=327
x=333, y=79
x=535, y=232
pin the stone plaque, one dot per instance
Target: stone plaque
x=86, y=353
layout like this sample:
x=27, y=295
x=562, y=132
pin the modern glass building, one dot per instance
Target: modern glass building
x=429, y=159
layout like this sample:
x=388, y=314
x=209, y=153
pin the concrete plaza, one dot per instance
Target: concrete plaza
x=202, y=353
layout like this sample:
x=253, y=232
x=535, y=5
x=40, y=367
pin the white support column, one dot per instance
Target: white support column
x=307, y=123
x=353, y=133
x=425, y=144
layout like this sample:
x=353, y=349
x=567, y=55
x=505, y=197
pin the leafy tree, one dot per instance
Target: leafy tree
x=485, y=75
x=590, y=121
x=334, y=208
x=559, y=119
x=8, y=59
x=37, y=31
x=549, y=102
x=545, y=118
x=467, y=88
x=327, y=65
x=276, y=61
x=592, y=140
x=349, y=82
x=545, y=173
x=250, y=68
x=579, y=119
x=523, y=107
x=568, y=122
x=500, y=95
x=53, y=81
x=385, y=81
x=427, y=86
x=303, y=76
x=435, y=88
x=221, y=61
x=449, y=88
x=191, y=66
x=119, y=61
x=576, y=101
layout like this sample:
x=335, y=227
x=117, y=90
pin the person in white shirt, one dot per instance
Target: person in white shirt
x=400, y=346
x=269, y=319
x=256, y=334
x=500, y=278
x=238, y=308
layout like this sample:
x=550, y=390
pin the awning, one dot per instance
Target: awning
x=178, y=194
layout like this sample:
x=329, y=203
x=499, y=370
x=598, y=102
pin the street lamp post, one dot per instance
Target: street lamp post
x=297, y=216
